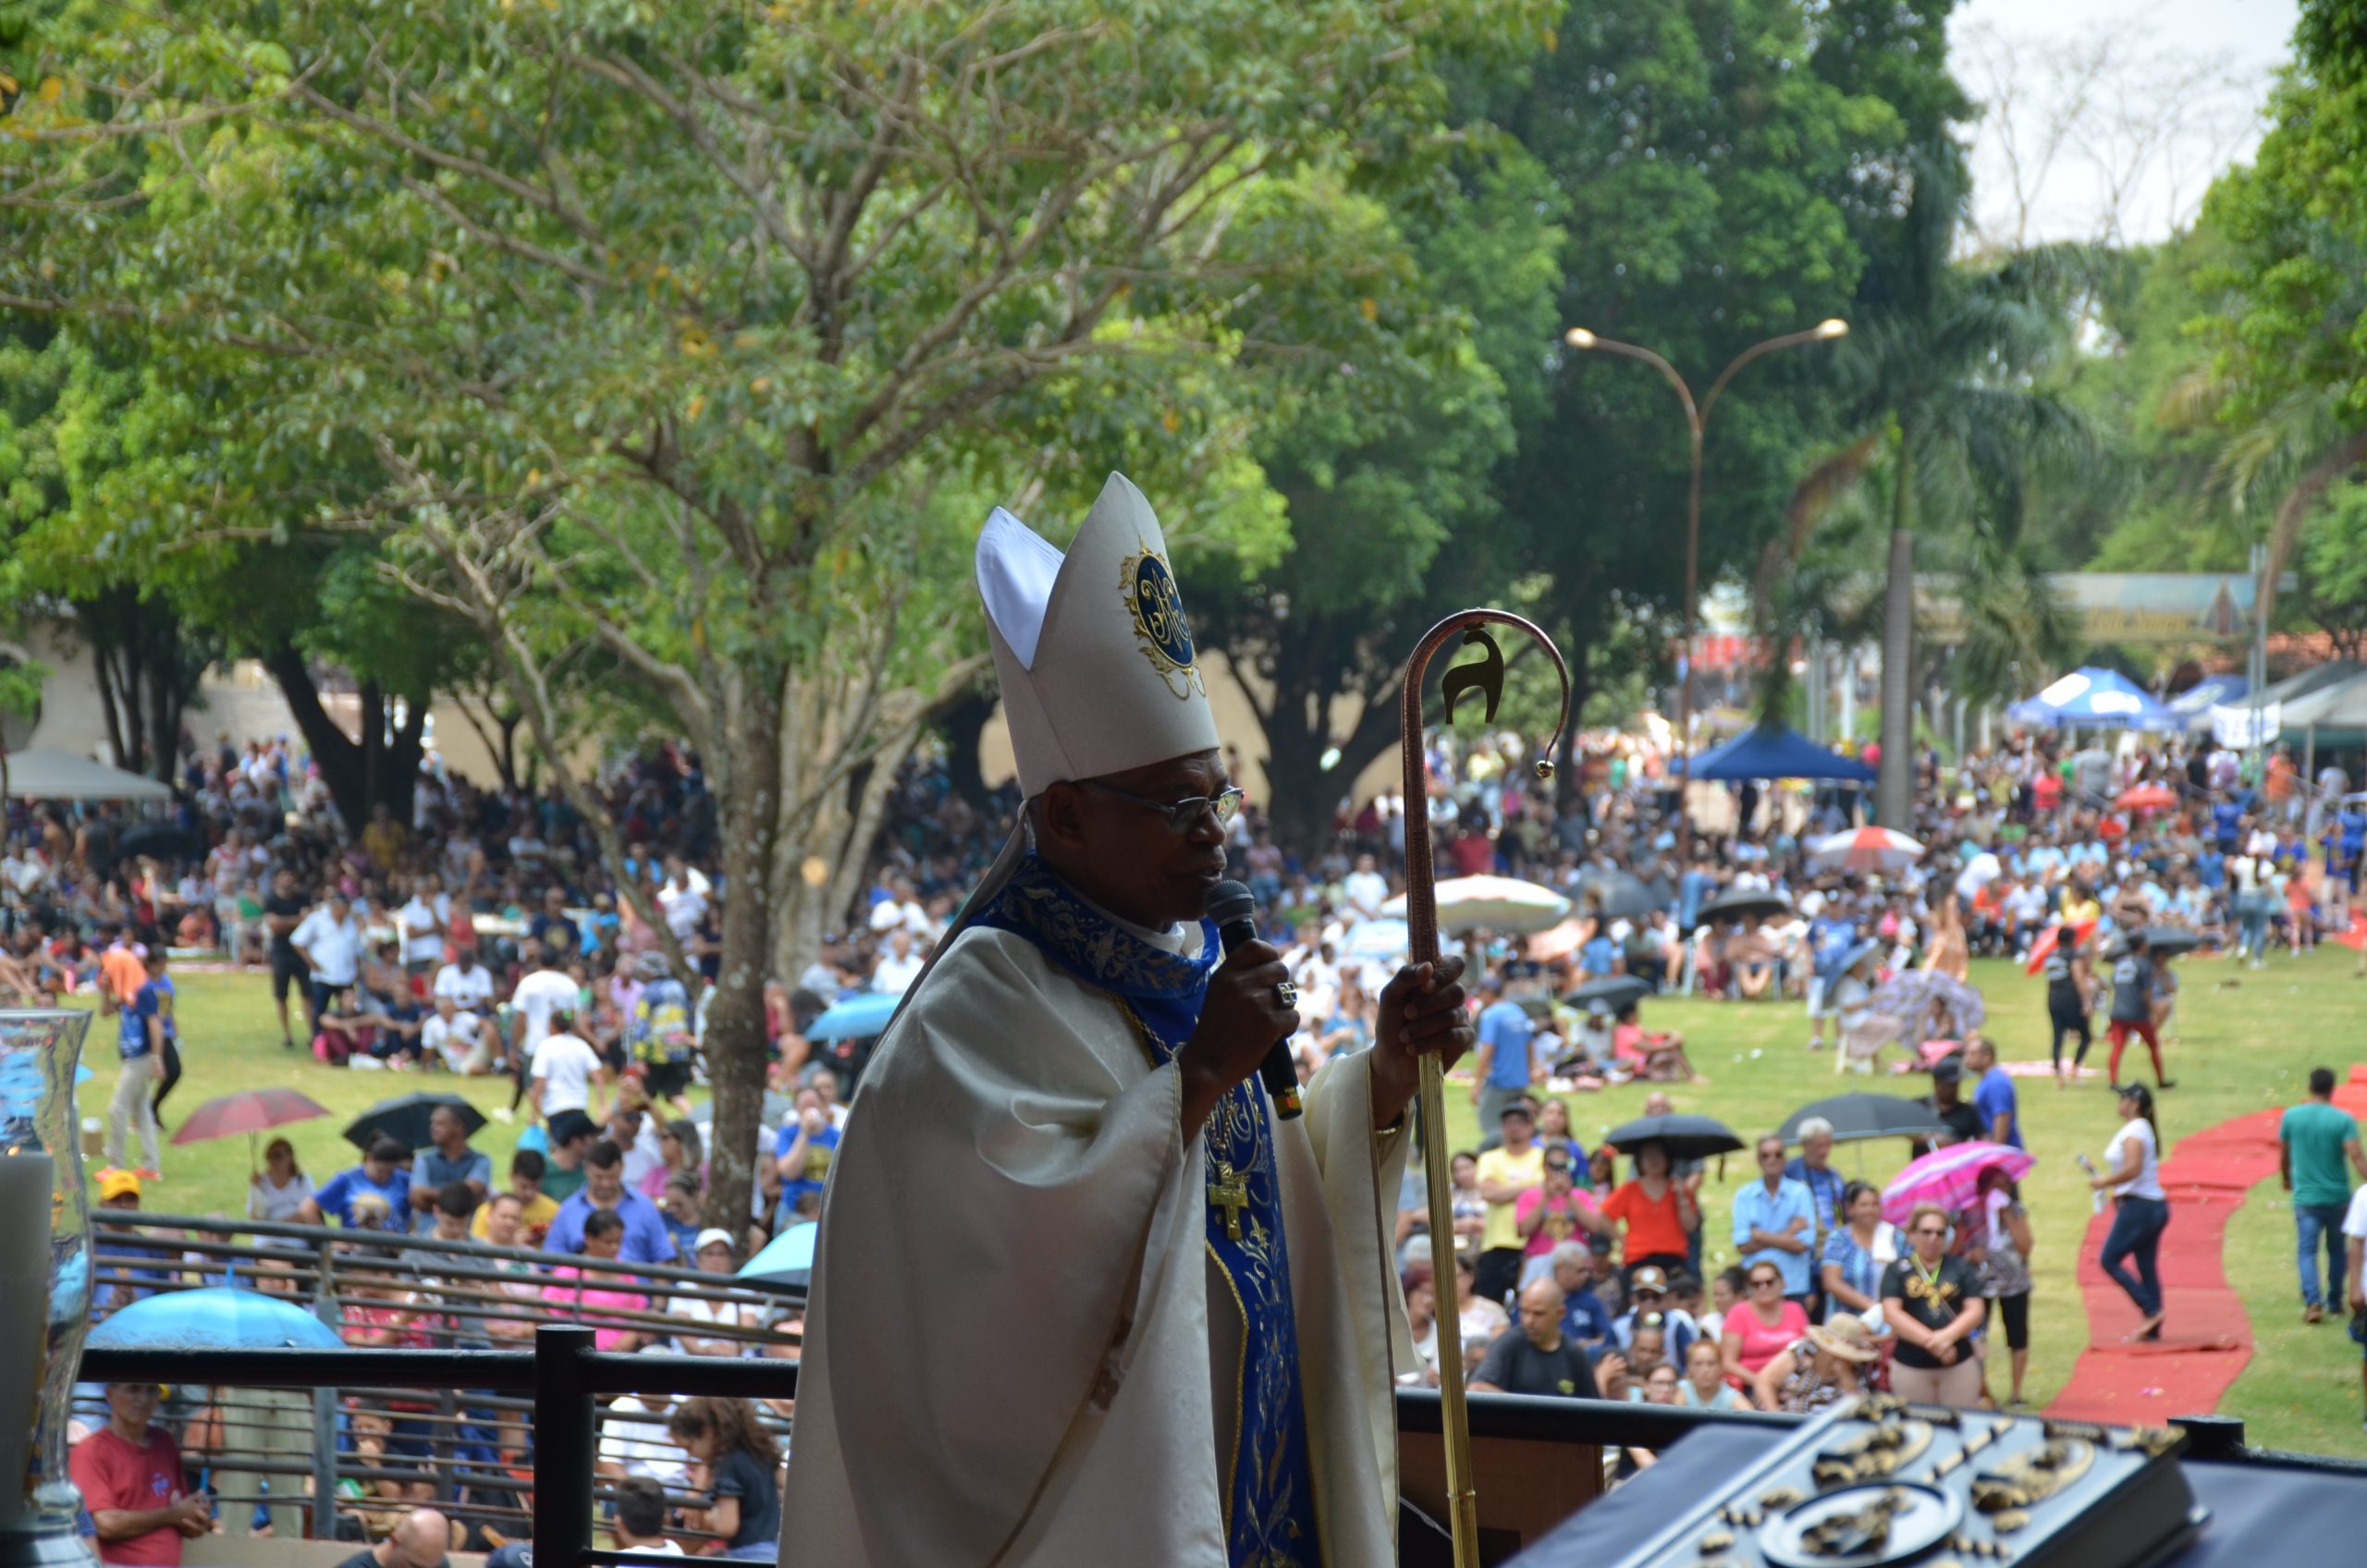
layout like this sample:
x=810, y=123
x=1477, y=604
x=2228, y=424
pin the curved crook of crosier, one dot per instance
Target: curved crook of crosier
x=1421, y=883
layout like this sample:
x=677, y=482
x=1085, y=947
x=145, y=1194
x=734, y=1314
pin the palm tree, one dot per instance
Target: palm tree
x=1940, y=359
x=2281, y=458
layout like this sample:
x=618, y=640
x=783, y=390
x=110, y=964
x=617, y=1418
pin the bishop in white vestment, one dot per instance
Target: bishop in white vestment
x=1081, y=1296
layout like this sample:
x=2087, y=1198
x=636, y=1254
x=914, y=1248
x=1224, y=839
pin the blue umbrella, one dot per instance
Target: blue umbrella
x=217, y=1317
x=857, y=1018
x=788, y=1257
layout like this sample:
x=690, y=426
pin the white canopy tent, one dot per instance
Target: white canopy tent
x=43, y=773
x=2342, y=705
x=2258, y=717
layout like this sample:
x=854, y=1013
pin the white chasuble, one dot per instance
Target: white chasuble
x=1018, y=1350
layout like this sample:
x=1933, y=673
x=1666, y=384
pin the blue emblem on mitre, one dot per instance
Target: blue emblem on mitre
x=1157, y=606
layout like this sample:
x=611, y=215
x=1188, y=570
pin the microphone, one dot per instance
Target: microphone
x=1233, y=910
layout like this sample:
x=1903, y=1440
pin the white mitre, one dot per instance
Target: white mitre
x=1099, y=672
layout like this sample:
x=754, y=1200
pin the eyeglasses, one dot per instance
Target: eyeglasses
x=1770, y=1154
x=1184, y=814
x=1928, y=1231
x=1765, y=1284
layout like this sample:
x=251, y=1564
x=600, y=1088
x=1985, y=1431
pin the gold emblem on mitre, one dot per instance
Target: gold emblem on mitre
x=1161, y=629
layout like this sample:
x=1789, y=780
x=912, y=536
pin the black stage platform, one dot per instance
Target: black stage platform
x=2262, y=1512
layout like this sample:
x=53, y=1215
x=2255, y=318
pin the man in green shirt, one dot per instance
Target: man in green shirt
x=2316, y=1139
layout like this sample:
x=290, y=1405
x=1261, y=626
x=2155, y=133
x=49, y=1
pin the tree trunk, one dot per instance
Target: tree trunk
x=102, y=661
x=1569, y=788
x=1302, y=795
x=334, y=752
x=961, y=721
x=1894, y=789
x=748, y=787
x=359, y=772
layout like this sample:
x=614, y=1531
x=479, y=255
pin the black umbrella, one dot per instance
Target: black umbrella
x=404, y=1119
x=1856, y=1117
x=1616, y=894
x=1740, y=901
x=1685, y=1137
x=1614, y=992
x=2171, y=939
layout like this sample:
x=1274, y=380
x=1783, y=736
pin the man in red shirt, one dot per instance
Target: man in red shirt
x=129, y=1473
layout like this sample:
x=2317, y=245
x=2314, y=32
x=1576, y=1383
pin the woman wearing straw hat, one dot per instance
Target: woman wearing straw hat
x=1824, y=1366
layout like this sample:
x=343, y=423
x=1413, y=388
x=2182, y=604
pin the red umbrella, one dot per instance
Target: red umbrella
x=2147, y=797
x=249, y=1111
x=2042, y=948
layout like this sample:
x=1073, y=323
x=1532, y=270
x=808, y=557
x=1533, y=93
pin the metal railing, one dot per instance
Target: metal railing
x=359, y=1448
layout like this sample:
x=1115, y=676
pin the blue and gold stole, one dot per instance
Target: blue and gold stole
x=1269, y=1495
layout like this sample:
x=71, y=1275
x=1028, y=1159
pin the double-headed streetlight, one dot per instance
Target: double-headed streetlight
x=1697, y=419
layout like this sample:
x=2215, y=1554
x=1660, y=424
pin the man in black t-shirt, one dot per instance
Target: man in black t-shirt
x=283, y=910
x=1537, y=1357
x=1946, y=1101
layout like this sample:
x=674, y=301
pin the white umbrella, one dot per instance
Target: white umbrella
x=1499, y=903
x=1379, y=940
x=1865, y=848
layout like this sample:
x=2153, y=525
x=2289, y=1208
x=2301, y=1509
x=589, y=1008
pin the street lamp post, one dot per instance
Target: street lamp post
x=1696, y=420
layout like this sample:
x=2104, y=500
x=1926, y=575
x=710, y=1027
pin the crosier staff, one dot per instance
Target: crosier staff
x=1422, y=939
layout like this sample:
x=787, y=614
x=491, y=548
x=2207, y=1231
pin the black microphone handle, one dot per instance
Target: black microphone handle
x=1278, y=1072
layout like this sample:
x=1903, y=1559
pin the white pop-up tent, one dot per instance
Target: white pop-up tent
x=43, y=773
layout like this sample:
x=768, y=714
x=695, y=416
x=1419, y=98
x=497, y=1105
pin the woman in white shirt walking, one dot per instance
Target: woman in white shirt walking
x=2133, y=1164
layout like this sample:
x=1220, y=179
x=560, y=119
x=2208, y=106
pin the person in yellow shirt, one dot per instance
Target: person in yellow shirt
x=382, y=839
x=1506, y=1173
x=537, y=1209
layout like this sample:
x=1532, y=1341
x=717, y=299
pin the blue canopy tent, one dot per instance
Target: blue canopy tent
x=2192, y=706
x=2099, y=698
x=1773, y=752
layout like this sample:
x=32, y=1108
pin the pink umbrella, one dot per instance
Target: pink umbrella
x=1948, y=1176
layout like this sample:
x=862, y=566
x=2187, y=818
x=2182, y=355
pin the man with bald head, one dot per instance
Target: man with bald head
x=418, y=1541
x=1537, y=1357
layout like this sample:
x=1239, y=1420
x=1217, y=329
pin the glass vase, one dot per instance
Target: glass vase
x=46, y=1304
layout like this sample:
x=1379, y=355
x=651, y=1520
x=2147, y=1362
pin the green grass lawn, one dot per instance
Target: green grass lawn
x=2243, y=1049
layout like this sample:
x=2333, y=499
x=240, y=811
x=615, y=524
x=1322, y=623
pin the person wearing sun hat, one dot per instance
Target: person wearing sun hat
x=1823, y=1367
x=1179, y=1310
x=121, y=1285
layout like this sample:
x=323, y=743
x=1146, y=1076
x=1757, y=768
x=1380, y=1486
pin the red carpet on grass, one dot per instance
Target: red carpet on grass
x=2206, y=1339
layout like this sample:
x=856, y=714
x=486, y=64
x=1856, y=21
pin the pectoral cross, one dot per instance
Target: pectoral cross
x=1229, y=1192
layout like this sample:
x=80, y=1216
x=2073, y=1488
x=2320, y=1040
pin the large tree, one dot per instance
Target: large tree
x=1715, y=171
x=2288, y=379
x=690, y=343
x=1383, y=475
x=62, y=430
